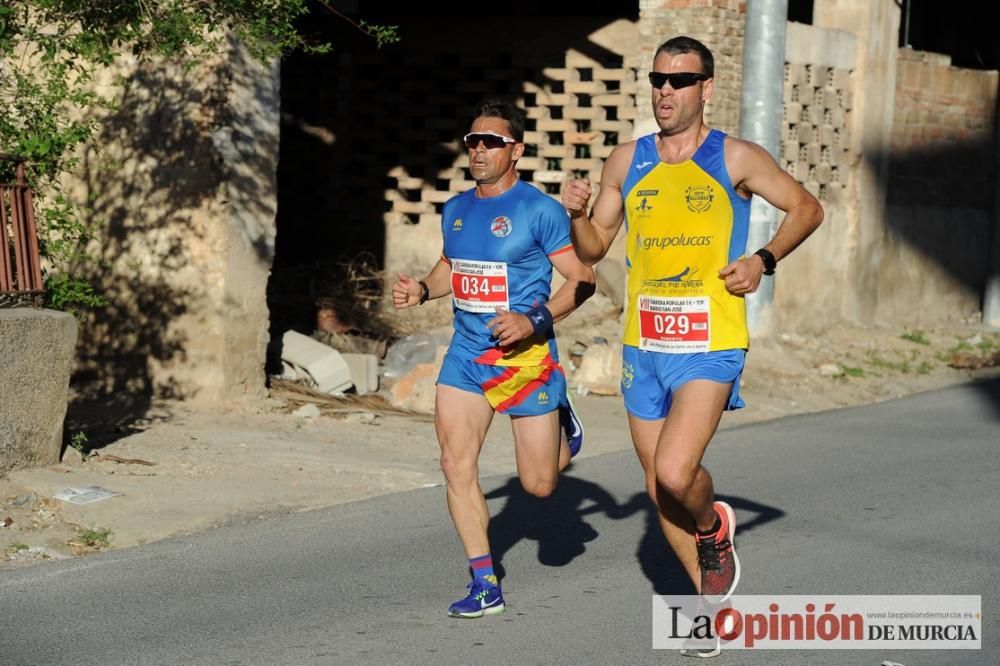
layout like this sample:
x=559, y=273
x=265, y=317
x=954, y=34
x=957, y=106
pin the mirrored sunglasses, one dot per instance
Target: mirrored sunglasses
x=488, y=139
x=677, y=80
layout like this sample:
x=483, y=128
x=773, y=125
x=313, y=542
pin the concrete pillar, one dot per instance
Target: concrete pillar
x=876, y=25
x=248, y=145
x=761, y=106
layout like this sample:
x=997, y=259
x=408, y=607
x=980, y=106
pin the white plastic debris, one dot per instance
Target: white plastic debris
x=364, y=371
x=87, y=495
x=36, y=552
x=322, y=364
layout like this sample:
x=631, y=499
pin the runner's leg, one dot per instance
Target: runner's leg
x=695, y=411
x=538, y=449
x=462, y=419
x=670, y=451
x=674, y=519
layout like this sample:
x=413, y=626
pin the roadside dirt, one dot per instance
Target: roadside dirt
x=184, y=471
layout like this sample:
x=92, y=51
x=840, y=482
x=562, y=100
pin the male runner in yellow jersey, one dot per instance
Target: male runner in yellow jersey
x=684, y=193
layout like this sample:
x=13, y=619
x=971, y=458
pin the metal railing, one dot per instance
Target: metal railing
x=20, y=265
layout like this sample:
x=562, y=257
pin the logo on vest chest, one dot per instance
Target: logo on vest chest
x=699, y=198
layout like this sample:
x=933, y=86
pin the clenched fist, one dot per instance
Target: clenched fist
x=575, y=196
x=743, y=275
x=406, y=291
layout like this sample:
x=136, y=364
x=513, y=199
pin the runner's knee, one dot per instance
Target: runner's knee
x=539, y=486
x=458, y=469
x=675, y=481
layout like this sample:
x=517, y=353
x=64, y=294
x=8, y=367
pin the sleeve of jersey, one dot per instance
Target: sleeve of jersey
x=552, y=228
x=444, y=232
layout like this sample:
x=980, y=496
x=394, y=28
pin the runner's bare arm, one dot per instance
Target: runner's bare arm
x=593, y=234
x=407, y=292
x=579, y=286
x=754, y=171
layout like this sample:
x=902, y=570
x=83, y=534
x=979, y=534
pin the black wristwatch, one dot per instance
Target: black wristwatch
x=768, y=259
x=425, y=292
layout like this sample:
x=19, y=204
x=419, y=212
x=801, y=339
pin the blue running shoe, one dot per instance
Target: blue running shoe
x=573, y=427
x=483, y=599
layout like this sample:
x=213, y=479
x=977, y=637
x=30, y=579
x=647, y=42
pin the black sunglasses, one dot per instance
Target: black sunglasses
x=678, y=80
x=488, y=139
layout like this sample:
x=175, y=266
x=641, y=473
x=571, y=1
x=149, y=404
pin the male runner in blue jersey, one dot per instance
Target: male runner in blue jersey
x=684, y=195
x=501, y=241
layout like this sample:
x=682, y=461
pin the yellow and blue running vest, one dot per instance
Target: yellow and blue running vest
x=684, y=222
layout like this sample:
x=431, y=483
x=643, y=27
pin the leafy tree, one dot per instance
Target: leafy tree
x=50, y=53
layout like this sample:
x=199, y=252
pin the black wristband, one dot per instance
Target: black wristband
x=425, y=292
x=540, y=318
x=768, y=259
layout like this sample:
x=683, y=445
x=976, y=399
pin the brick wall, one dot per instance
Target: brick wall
x=942, y=133
x=719, y=25
x=941, y=185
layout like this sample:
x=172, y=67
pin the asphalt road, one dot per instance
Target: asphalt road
x=897, y=498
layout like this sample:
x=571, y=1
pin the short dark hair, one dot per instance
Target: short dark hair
x=681, y=45
x=499, y=108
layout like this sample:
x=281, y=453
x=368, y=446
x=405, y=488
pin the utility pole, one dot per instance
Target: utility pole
x=761, y=105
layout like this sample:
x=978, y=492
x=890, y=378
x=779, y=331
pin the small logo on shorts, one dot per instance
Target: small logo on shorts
x=501, y=227
x=457, y=225
x=628, y=374
x=543, y=398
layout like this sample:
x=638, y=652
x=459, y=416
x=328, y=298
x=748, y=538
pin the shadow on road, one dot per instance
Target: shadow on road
x=657, y=559
x=558, y=524
x=555, y=522
x=989, y=390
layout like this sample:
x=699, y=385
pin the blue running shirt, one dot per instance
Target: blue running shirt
x=499, y=249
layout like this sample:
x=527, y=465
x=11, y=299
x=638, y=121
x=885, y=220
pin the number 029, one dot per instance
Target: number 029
x=671, y=324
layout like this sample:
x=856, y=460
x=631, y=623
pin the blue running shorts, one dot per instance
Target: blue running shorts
x=650, y=378
x=516, y=391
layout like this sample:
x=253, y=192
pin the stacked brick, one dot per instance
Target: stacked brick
x=815, y=147
x=576, y=114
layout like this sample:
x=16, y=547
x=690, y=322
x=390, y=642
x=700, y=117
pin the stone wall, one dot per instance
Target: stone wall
x=942, y=130
x=181, y=193
x=36, y=357
x=183, y=190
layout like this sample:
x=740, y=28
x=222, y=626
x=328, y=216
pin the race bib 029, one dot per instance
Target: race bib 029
x=673, y=325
